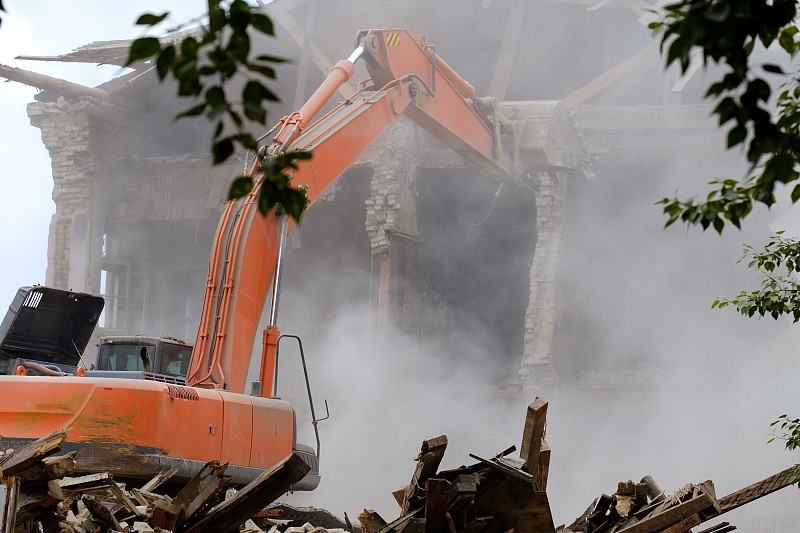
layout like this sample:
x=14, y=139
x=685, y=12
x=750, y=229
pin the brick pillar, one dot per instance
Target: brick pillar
x=540, y=316
x=391, y=214
x=77, y=133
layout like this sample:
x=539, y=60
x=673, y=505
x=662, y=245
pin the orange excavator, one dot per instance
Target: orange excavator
x=137, y=427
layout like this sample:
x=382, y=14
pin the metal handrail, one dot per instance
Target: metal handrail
x=314, y=419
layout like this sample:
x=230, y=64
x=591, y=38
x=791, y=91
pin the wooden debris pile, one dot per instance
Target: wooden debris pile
x=495, y=495
x=644, y=508
x=38, y=493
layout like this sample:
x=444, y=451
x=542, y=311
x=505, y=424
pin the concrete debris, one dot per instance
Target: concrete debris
x=498, y=494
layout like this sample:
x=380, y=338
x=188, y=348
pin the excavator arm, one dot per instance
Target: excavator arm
x=406, y=78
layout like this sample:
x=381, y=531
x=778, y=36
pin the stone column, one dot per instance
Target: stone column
x=78, y=133
x=540, y=316
x=391, y=217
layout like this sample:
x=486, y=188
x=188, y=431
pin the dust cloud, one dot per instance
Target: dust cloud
x=693, y=389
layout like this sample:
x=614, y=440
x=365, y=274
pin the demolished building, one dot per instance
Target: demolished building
x=417, y=235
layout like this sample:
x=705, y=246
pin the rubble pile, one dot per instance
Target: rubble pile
x=39, y=491
x=494, y=495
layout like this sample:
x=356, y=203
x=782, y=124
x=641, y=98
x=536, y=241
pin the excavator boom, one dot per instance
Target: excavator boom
x=407, y=78
x=155, y=424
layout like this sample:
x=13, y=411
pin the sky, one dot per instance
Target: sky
x=26, y=183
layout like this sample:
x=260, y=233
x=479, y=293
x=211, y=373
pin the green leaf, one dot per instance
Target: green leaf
x=737, y=135
x=240, y=187
x=192, y=111
x=143, y=48
x=270, y=59
x=773, y=68
x=190, y=47
x=262, y=23
x=215, y=97
x=165, y=61
x=795, y=193
x=222, y=150
x=148, y=19
x=719, y=14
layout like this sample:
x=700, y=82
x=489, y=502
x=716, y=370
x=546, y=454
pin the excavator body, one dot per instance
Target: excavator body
x=136, y=427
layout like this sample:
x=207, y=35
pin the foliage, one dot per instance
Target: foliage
x=780, y=292
x=788, y=430
x=726, y=32
x=1, y=9
x=202, y=67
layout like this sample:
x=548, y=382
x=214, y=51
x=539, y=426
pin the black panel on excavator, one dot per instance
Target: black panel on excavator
x=48, y=325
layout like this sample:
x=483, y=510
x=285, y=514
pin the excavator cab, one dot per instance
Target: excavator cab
x=153, y=357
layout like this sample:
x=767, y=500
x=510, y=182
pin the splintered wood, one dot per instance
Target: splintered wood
x=497, y=494
x=643, y=507
x=37, y=493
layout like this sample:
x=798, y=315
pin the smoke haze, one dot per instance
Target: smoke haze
x=652, y=380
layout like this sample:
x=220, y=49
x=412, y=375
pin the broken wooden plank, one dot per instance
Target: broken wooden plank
x=719, y=528
x=32, y=503
x=259, y=493
x=506, y=466
x=160, y=478
x=399, y=524
x=371, y=521
x=399, y=494
x=148, y=499
x=89, y=481
x=532, y=435
x=50, y=468
x=478, y=524
x=544, y=467
x=201, y=489
x=437, y=492
x=415, y=525
x=428, y=461
x=33, y=452
x=165, y=515
x=685, y=525
x=124, y=499
x=759, y=489
x=515, y=504
x=100, y=512
x=660, y=520
x=9, y=493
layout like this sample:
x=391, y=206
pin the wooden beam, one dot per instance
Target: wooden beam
x=280, y=15
x=101, y=512
x=32, y=453
x=661, y=520
x=160, y=478
x=532, y=435
x=639, y=60
x=428, y=461
x=9, y=494
x=259, y=493
x=32, y=504
x=508, y=48
x=436, y=497
x=53, y=467
x=49, y=83
x=544, y=467
x=201, y=489
x=371, y=521
x=759, y=489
